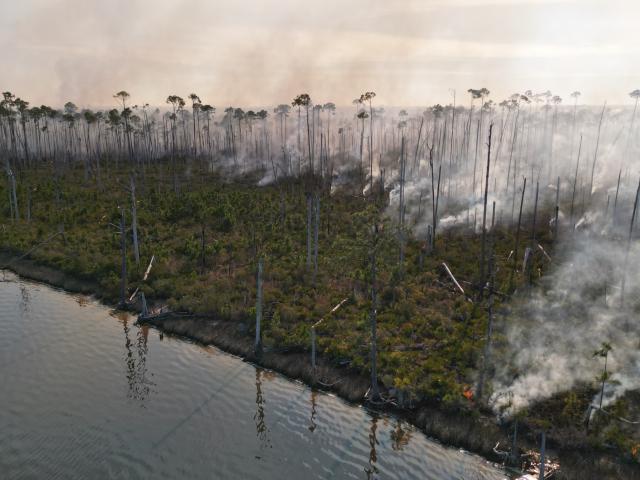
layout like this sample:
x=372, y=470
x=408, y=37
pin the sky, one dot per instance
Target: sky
x=264, y=52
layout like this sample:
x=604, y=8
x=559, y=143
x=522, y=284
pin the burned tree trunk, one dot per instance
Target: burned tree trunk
x=595, y=153
x=309, y=216
x=401, y=207
x=517, y=242
x=575, y=183
x=134, y=221
x=557, y=211
x=257, y=346
x=533, y=238
x=123, y=273
x=316, y=227
x=484, y=217
x=487, y=345
x=615, y=201
x=624, y=268
x=375, y=391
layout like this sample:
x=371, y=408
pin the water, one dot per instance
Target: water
x=85, y=393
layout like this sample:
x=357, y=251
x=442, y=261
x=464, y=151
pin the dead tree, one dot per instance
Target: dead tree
x=123, y=273
x=257, y=346
x=615, y=201
x=517, y=242
x=13, y=195
x=401, y=207
x=134, y=221
x=316, y=228
x=557, y=211
x=309, y=216
x=487, y=346
x=375, y=391
x=435, y=197
x=542, y=455
x=533, y=237
x=575, y=183
x=595, y=153
x=626, y=262
x=484, y=216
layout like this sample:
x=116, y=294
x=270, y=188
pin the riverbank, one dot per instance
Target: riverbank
x=468, y=429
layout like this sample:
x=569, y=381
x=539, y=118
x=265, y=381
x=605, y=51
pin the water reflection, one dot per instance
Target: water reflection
x=82, y=300
x=139, y=385
x=24, y=299
x=313, y=425
x=371, y=469
x=399, y=436
x=262, y=431
x=201, y=423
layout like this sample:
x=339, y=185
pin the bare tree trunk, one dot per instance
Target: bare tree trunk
x=555, y=226
x=533, y=237
x=316, y=228
x=624, y=268
x=595, y=153
x=615, y=202
x=309, y=216
x=575, y=182
x=257, y=346
x=134, y=221
x=484, y=217
x=12, y=179
x=375, y=391
x=515, y=248
x=401, y=208
x=542, y=456
x=28, y=205
x=487, y=346
x=202, y=248
x=123, y=249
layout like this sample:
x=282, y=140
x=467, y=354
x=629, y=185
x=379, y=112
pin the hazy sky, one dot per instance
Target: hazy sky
x=262, y=52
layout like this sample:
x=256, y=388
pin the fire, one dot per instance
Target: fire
x=468, y=394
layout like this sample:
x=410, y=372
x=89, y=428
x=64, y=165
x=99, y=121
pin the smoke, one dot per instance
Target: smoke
x=543, y=147
x=552, y=335
x=551, y=332
x=234, y=53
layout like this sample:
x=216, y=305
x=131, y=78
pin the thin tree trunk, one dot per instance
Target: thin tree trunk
x=626, y=262
x=123, y=249
x=315, y=236
x=134, y=221
x=484, y=216
x=375, y=391
x=515, y=248
x=595, y=153
x=258, y=341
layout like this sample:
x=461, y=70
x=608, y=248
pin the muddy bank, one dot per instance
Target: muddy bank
x=32, y=270
x=466, y=429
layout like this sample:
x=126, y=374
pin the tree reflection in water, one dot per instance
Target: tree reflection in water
x=399, y=436
x=136, y=361
x=262, y=430
x=371, y=470
x=25, y=299
x=313, y=425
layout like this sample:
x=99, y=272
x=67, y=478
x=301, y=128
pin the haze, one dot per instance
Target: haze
x=264, y=52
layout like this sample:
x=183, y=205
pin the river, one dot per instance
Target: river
x=86, y=393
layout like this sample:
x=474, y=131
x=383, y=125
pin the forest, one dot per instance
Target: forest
x=476, y=257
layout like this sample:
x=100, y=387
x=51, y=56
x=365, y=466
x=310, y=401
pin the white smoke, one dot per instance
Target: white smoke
x=552, y=336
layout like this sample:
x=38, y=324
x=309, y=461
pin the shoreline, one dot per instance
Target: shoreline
x=469, y=430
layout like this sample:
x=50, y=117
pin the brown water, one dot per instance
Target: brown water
x=85, y=393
